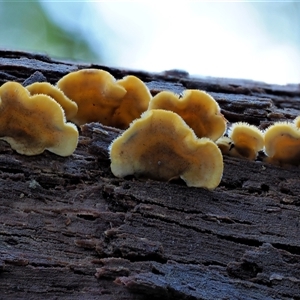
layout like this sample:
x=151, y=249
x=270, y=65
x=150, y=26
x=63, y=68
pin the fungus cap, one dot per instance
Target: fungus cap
x=134, y=102
x=197, y=108
x=161, y=146
x=31, y=124
x=70, y=107
x=96, y=93
x=247, y=140
x=282, y=143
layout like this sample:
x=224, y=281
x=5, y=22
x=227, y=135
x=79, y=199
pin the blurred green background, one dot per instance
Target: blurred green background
x=28, y=25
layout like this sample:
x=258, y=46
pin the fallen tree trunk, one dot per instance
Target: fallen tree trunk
x=70, y=229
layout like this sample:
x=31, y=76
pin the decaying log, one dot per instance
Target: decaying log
x=69, y=229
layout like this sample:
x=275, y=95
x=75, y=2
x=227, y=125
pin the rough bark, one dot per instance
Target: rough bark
x=70, y=230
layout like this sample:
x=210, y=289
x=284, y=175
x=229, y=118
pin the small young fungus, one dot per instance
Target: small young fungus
x=282, y=143
x=70, y=107
x=96, y=93
x=31, y=124
x=161, y=146
x=197, y=108
x=243, y=140
x=225, y=144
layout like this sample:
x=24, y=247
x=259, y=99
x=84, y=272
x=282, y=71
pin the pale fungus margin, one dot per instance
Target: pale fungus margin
x=32, y=124
x=197, y=108
x=243, y=141
x=96, y=93
x=70, y=107
x=282, y=143
x=161, y=146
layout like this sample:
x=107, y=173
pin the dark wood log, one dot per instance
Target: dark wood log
x=70, y=230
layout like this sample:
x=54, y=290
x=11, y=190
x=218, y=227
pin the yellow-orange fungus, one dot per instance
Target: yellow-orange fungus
x=161, y=146
x=70, y=107
x=197, y=108
x=96, y=93
x=247, y=140
x=31, y=124
x=282, y=143
x=133, y=104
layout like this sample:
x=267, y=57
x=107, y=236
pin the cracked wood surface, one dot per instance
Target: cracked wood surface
x=70, y=229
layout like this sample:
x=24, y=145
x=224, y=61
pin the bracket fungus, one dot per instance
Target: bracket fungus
x=243, y=140
x=96, y=93
x=197, y=108
x=134, y=102
x=161, y=146
x=70, y=107
x=282, y=143
x=31, y=124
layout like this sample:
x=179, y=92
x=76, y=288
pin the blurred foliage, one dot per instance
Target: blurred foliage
x=24, y=25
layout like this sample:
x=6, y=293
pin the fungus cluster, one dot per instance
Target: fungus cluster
x=166, y=136
x=280, y=142
x=31, y=124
